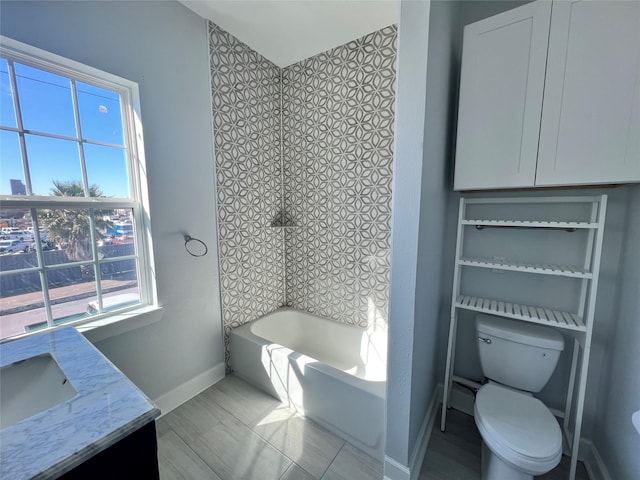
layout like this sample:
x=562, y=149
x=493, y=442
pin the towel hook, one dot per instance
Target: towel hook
x=194, y=250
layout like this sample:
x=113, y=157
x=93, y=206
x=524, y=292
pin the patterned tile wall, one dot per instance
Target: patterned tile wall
x=337, y=134
x=338, y=144
x=246, y=117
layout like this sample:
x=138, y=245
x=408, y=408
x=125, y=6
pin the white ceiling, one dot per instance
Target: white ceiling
x=287, y=31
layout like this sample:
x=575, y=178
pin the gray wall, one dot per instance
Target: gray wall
x=420, y=191
x=163, y=47
x=614, y=436
x=442, y=83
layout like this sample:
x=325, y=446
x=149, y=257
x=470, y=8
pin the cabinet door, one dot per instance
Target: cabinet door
x=590, y=131
x=501, y=86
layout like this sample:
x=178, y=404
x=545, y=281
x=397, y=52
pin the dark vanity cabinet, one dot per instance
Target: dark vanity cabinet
x=133, y=457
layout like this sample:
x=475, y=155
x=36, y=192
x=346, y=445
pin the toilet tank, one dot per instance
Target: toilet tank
x=516, y=353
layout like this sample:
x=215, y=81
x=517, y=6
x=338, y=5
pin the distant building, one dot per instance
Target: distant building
x=17, y=187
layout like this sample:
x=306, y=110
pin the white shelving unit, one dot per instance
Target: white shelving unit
x=542, y=268
x=518, y=311
x=578, y=324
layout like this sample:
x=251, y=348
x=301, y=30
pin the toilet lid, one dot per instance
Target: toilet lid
x=517, y=427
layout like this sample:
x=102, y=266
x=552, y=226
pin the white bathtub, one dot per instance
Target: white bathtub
x=331, y=372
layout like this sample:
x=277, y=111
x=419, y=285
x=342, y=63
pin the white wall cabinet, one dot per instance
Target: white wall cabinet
x=501, y=86
x=590, y=129
x=550, y=96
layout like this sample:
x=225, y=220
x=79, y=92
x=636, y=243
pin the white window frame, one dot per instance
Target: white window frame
x=14, y=51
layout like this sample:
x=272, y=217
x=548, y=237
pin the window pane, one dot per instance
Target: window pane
x=69, y=235
x=119, y=278
x=45, y=101
x=16, y=231
x=117, y=233
x=7, y=112
x=120, y=270
x=11, y=170
x=100, y=115
x=114, y=246
x=107, y=168
x=70, y=289
x=120, y=289
x=52, y=160
x=20, y=258
x=21, y=303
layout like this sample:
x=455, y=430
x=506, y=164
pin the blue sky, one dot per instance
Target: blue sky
x=46, y=105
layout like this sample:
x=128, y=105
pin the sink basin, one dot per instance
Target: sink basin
x=31, y=386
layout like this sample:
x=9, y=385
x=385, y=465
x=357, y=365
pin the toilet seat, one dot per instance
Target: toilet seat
x=518, y=428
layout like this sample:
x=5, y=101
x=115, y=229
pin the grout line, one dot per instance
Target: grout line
x=288, y=468
x=260, y=415
x=265, y=439
x=293, y=462
x=282, y=211
x=281, y=150
x=243, y=424
x=293, y=414
x=188, y=445
x=334, y=459
x=250, y=427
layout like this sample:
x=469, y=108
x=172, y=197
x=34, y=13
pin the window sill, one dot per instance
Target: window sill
x=118, y=324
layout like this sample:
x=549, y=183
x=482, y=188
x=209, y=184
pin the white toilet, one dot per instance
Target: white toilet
x=521, y=438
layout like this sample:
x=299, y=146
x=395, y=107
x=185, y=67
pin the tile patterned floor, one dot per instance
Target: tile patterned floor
x=233, y=431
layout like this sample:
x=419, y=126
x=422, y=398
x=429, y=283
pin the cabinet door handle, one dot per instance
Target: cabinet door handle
x=485, y=340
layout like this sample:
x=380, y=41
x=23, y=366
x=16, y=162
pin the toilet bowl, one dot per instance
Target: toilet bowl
x=521, y=438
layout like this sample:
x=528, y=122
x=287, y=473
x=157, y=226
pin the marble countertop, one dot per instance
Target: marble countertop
x=106, y=408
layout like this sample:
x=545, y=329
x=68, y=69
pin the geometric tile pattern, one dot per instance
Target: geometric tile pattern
x=338, y=143
x=336, y=133
x=246, y=119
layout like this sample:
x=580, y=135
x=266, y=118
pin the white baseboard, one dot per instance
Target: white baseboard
x=189, y=389
x=422, y=442
x=596, y=468
x=393, y=470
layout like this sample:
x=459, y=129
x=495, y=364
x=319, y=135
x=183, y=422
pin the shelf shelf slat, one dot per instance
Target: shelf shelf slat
x=545, y=316
x=543, y=269
x=530, y=224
